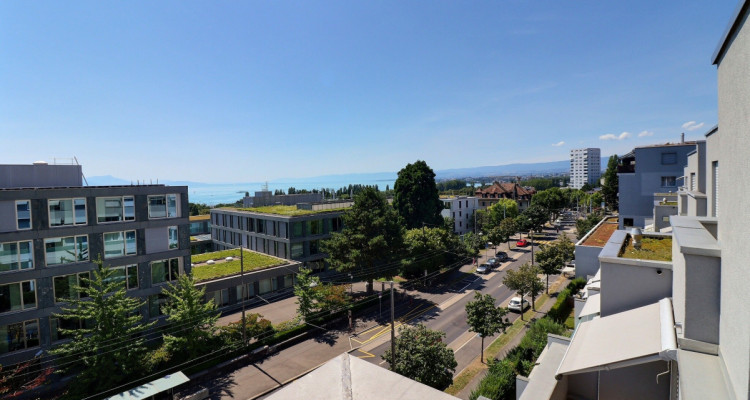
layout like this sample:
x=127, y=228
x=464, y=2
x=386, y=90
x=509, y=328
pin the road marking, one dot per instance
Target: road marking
x=367, y=355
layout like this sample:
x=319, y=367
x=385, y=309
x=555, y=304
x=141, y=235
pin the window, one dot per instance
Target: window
x=127, y=274
x=67, y=212
x=715, y=188
x=459, y=204
x=296, y=229
x=16, y=256
x=162, y=206
x=165, y=270
x=314, y=247
x=66, y=250
x=115, y=209
x=298, y=250
x=220, y=297
x=288, y=280
x=156, y=303
x=17, y=296
x=23, y=214
x=19, y=336
x=118, y=244
x=174, y=241
x=668, y=181
x=316, y=227
x=668, y=158
x=249, y=291
x=267, y=285
x=56, y=324
x=627, y=222
x=65, y=286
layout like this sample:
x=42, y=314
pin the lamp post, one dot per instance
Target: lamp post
x=532, y=247
x=393, y=332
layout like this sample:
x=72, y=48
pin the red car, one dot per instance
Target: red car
x=522, y=243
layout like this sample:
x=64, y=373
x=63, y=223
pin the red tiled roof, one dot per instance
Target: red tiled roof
x=506, y=189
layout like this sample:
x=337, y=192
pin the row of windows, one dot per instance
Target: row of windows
x=15, y=256
x=72, y=212
x=277, y=228
x=247, y=291
x=267, y=246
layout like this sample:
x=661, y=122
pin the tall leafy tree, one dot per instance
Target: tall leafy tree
x=524, y=280
x=484, y=318
x=508, y=228
x=611, y=184
x=504, y=208
x=187, y=307
x=416, y=198
x=314, y=296
x=537, y=216
x=372, y=236
x=428, y=249
x=108, y=348
x=422, y=356
x=553, y=200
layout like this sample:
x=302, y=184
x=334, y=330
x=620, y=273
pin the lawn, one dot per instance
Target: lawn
x=252, y=261
x=288, y=210
x=657, y=249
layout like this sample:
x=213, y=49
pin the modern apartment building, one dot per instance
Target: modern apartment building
x=281, y=231
x=675, y=328
x=461, y=210
x=585, y=167
x=647, y=170
x=52, y=229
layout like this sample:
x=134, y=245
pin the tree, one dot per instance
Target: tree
x=551, y=199
x=504, y=208
x=313, y=296
x=422, y=356
x=611, y=184
x=372, y=236
x=537, y=217
x=428, y=249
x=508, y=228
x=484, y=318
x=472, y=244
x=186, y=306
x=524, y=280
x=108, y=347
x=24, y=377
x=416, y=198
x=550, y=261
x=199, y=209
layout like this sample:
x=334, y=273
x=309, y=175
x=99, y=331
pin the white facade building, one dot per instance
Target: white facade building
x=461, y=209
x=585, y=167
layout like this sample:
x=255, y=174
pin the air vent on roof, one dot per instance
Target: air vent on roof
x=40, y=163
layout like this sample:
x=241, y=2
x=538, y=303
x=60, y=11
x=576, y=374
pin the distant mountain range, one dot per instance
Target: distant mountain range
x=521, y=169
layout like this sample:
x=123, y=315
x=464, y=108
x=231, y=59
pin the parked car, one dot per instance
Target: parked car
x=483, y=269
x=493, y=262
x=502, y=256
x=515, y=305
x=522, y=243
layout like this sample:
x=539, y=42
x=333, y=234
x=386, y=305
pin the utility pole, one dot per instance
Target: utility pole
x=244, y=288
x=393, y=331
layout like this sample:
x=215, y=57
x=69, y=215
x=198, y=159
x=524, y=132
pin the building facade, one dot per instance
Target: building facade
x=585, y=167
x=293, y=237
x=461, y=210
x=645, y=171
x=53, y=229
x=505, y=190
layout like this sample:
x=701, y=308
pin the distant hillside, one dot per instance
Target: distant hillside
x=510, y=169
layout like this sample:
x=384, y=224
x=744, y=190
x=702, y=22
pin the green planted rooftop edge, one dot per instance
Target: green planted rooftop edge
x=252, y=261
x=652, y=248
x=285, y=210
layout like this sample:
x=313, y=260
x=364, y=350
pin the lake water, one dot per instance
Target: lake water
x=212, y=194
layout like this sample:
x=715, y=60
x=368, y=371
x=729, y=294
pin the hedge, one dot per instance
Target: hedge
x=565, y=303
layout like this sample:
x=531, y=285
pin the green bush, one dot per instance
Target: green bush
x=499, y=383
x=565, y=303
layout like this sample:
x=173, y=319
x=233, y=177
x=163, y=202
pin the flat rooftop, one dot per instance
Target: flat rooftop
x=291, y=211
x=601, y=235
x=652, y=248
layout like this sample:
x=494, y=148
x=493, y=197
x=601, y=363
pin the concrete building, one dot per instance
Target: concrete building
x=461, y=210
x=284, y=231
x=52, y=229
x=694, y=342
x=200, y=234
x=266, y=198
x=505, y=190
x=647, y=170
x=585, y=167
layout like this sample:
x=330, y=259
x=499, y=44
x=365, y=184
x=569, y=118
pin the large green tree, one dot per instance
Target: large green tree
x=428, y=249
x=553, y=200
x=422, y=356
x=108, y=347
x=314, y=296
x=552, y=258
x=508, y=228
x=186, y=306
x=524, y=280
x=504, y=208
x=372, y=236
x=484, y=318
x=611, y=184
x=416, y=198
x=537, y=216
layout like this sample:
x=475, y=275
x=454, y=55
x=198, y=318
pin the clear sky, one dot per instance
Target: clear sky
x=238, y=91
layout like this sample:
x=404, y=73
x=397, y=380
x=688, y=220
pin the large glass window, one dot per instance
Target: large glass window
x=669, y=181
x=115, y=209
x=118, y=244
x=316, y=227
x=156, y=303
x=314, y=247
x=66, y=250
x=65, y=212
x=162, y=206
x=17, y=296
x=165, y=270
x=288, y=280
x=249, y=291
x=16, y=256
x=267, y=285
x=65, y=286
x=174, y=241
x=220, y=297
x=296, y=229
x=127, y=274
x=57, y=324
x=23, y=214
x=19, y=336
x=298, y=250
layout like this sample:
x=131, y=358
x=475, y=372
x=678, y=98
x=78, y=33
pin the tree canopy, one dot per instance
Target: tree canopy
x=611, y=184
x=537, y=216
x=416, y=198
x=372, y=236
x=552, y=258
x=524, y=281
x=422, y=356
x=484, y=318
x=553, y=200
x=187, y=306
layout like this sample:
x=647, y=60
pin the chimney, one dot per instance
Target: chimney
x=682, y=139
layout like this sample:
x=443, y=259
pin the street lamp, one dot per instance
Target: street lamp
x=532, y=247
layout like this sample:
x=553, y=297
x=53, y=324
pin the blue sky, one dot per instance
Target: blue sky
x=230, y=91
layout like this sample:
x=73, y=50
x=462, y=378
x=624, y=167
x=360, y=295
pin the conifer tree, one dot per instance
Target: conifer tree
x=194, y=318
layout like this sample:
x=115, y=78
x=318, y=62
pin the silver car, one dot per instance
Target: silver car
x=483, y=269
